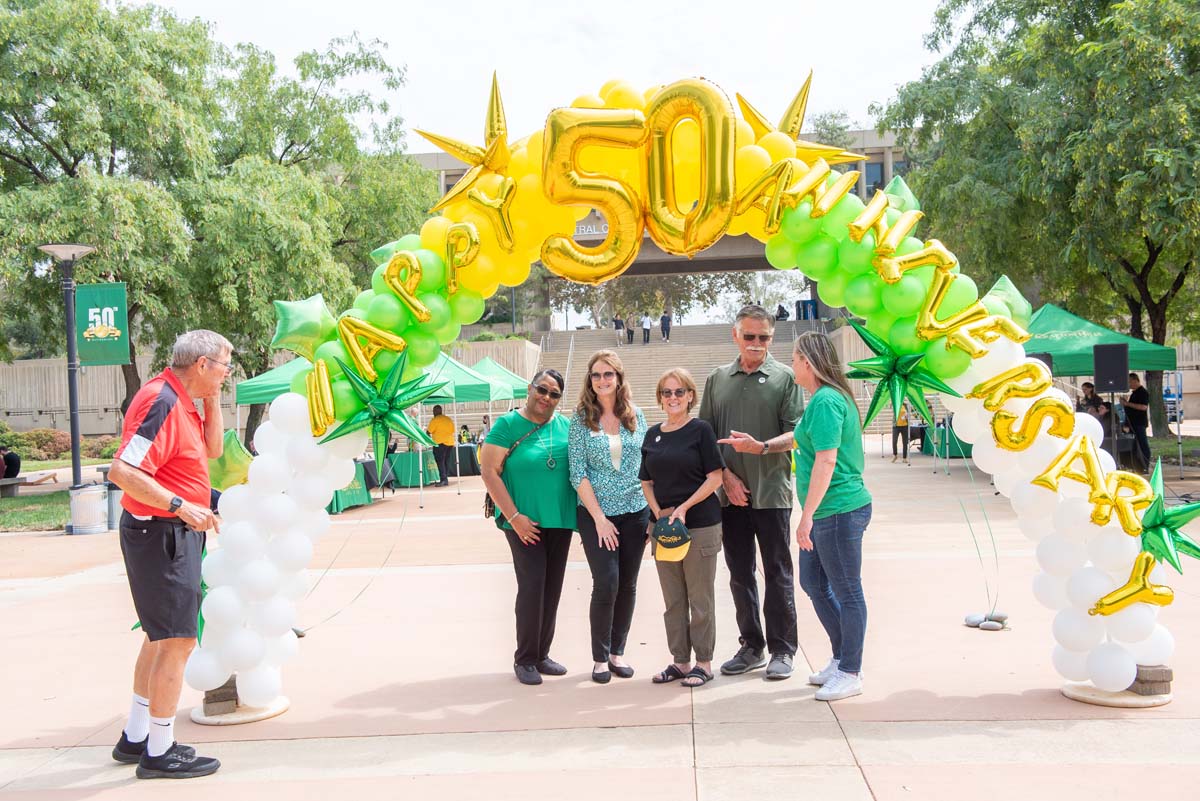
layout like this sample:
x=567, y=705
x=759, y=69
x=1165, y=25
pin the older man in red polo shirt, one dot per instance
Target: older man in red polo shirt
x=162, y=465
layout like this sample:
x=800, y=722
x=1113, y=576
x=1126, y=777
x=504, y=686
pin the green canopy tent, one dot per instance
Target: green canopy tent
x=491, y=368
x=1069, y=340
x=268, y=386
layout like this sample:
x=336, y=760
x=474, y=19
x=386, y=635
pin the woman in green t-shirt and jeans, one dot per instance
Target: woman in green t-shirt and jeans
x=535, y=507
x=836, y=511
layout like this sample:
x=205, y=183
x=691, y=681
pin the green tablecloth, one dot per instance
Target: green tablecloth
x=405, y=469
x=353, y=494
x=950, y=446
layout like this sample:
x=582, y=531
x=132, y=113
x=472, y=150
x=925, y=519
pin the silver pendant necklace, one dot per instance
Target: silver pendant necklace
x=550, y=462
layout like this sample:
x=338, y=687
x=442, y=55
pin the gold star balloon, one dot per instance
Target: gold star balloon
x=791, y=124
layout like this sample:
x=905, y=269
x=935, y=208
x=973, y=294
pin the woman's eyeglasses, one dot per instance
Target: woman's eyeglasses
x=607, y=375
x=763, y=338
x=547, y=393
x=678, y=393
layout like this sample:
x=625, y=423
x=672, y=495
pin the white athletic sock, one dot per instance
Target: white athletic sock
x=139, y=719
x=162, y=734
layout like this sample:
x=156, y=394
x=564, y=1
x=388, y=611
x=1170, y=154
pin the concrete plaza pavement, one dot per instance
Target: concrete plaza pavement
x=404, y=687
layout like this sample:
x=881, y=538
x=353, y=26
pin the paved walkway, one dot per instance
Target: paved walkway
x=404, y=686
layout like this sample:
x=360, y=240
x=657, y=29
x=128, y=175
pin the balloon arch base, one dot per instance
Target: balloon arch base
x=222, y=707
x=1151, y=688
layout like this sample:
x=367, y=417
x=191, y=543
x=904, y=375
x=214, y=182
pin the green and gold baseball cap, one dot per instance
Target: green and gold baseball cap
x=673, y=540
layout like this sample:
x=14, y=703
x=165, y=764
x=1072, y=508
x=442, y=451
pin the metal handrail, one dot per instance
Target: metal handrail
x=570, y=358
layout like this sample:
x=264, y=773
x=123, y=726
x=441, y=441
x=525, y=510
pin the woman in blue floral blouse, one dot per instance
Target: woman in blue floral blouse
x=605, y=443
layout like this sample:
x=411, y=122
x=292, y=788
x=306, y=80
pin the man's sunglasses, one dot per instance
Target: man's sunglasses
x=550, y=393
x=678, y=393
x=764, y=338
x=607, y=375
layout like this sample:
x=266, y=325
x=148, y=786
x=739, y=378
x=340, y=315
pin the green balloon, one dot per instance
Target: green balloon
x=961, y=294
x=904, y=298
x=439, y=310
x=466, y=306
x=996, y=306
x=423, y=348
x=818, y=258
x=378, y=285
x=836, y=222
x=299, y=383
x=903, y=337
x=410, y=242
x=862, y=294
x=880, y=323
x=389, y=313
x=909, y=245
x=892, y=216
x=448, y=333
x=797, y=225
x=345, y=400
x=302, y=325
x=832, y=290
x=384, y=360
x=357, y=314
x=383, y=254
x=946, y=363
x=781, y=252
x=363, y=299
x=331, y=352
x=856, y=257
x=433, y=271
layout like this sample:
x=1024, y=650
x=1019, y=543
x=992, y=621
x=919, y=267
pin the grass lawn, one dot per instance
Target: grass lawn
x=1168, y=449
x=44, y=512
x=30, y=466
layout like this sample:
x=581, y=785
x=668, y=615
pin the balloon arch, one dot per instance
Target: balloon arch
x=677, y=162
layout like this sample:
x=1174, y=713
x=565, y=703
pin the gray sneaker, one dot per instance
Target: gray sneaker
x=746, y=659
x=780, y=667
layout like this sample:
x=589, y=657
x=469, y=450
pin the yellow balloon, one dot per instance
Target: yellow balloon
x=533, y=146
x=588, y=101
x=433, y=233
x=754, y=223
x=579, y=212
x=779, y=145
x=649, y=94
x=751, y=161
x=457, y=211
x=743, y=135
x=479, y=274
x=685, y=141
x=624, y=95
x=737, y=226
x=608, y=86
x=519, y=165
x=515, y=273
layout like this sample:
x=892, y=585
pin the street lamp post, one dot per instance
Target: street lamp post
x=66, y=254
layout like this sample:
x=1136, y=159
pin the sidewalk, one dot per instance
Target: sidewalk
x=404, y=687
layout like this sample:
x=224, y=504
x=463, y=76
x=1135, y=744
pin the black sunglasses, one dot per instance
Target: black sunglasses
x=552, y=394
x=607, y=375
x=764, y=338
x=679, y=393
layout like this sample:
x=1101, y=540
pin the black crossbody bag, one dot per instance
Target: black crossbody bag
x=489, y=506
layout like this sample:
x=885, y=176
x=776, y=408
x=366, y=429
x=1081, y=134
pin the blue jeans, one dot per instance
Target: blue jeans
x=831, y=575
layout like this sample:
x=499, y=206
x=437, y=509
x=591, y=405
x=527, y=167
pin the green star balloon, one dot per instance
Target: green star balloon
x=899, y=377
x=302, y=325
x=1161, y=536
x=232, y=466
x=385, y=407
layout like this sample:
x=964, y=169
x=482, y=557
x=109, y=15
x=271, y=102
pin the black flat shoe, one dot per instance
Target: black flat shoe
x=527, y=674
x=621, y=671
x=548, y=667
x=179, y=762
x=601, y=677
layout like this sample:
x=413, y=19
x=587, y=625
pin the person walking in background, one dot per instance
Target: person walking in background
x=605, y=446
x=485, y=428
x=755, y=400
x=665, y=324
x=524, y=467
x=836, y=511
x=619, y=327
x=680, y=474
x=629, y=318
x=1137, y=407
x=441, y=431
x=647, y=324
x=900, y=431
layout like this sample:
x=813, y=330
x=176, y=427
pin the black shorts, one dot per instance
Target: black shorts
x=162, y=561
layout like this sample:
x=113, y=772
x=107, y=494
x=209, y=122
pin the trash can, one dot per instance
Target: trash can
x=114, y=505
x=89, y=509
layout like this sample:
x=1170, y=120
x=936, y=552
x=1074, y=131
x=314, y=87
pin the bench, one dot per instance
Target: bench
x=9, y=487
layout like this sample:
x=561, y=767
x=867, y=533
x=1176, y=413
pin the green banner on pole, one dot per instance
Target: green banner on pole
x=102, y=324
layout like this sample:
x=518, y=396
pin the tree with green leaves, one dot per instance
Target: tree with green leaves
x=832, y=128
x=675, y=294
x=1059, y=142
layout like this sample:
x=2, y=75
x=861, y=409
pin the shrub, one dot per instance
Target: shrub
x=94, y=447
x=110, y=450
x=13, y=439
x=486, y=336
x=47, y=443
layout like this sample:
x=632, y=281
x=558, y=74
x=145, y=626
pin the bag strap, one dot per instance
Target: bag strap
x=513, y=447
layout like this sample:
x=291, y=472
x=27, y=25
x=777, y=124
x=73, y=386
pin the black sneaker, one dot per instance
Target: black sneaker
x=548, y=667
x=130, y=753
x=179, y=762
x=527, y=674
x=780, y=667
x=746, y=659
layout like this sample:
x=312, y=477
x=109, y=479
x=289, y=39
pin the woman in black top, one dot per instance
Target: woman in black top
x=681, y=471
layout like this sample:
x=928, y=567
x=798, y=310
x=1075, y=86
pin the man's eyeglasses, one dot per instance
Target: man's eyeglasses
x=678, y=393
x=227, y=365
x=607, y=375
x=763, y=338
x=550, y=393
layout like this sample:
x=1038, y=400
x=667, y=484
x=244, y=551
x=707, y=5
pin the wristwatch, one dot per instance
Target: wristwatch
x=766, y=447
x=176, y=502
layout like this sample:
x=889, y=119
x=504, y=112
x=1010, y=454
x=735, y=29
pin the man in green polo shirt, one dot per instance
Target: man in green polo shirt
x=757, y=396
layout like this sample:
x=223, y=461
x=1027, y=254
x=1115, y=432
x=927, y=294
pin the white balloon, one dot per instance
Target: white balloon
x=990, y=457
x=1051, y=591
x=314, y=524
x=269, y=438
x=204, y=671
x=1034, y=528
x=1087, y=585
x=1003, y=354
x=1159, y=574
x=291, y=552
x=1034, y=501
x=218, y=569
x=281, y=650
x=269, y=474
x=967, y=427
x=1060, y=556
x=242, y=650
x=967, y=380
x=1006, y=480
x=1069, y=488
x=1107, y=463
x=1076, y=630
x=242, y=541
x=259, y=686
x=1111, y=549
x=1073, y=519
x=294, y=586
x=235, y=504
x=1086, y=424
x=277, y=513
x=1041, y=452
x=1058, y=394
x=1157, y=649
x=258, y=580
x=275, y=616
x=350, y=446
x=340, y=472
x=1111, y=667
x=305, y=455
x=311, y=492
x=1071, y=665
x=289, y=413
x=222, y=607
x=1133, y=623
x=956, y=405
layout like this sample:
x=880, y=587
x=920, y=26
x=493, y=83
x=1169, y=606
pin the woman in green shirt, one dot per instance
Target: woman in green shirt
x=836, y=511
x=524, y=467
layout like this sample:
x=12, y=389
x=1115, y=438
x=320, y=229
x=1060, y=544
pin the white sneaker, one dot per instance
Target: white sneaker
x=824, y=674
x=841, y=685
